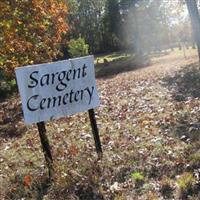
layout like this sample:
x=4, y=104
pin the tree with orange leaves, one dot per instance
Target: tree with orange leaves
x=31, y=31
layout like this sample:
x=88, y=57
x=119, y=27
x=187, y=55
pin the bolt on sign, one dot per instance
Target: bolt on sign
x=57, y=89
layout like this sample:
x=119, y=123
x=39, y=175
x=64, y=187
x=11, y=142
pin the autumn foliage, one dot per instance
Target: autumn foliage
x=30, y=31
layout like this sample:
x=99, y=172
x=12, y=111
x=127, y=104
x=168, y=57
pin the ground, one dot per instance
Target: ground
x=149, y=123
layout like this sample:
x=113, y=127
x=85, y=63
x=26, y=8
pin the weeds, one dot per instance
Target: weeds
x=185, y=183
x=139, y=178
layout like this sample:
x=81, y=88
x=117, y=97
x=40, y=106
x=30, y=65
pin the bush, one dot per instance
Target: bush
x=7, y=85
x=31, y=32
x=78, y=48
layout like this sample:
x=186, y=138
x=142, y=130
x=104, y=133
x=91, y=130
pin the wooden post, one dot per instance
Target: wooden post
x=46, y=147
x=95, y=132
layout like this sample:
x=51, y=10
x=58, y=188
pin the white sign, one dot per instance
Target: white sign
x=57, y=89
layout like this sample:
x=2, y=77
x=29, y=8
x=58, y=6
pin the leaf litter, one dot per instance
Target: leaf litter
x=148, y=121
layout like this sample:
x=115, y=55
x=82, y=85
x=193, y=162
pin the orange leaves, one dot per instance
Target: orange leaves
x=31, y=32
x=27, y=180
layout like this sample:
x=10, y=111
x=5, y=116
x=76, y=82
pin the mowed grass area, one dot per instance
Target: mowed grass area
x=111, y=57
x=149, y=123
x=109, y=65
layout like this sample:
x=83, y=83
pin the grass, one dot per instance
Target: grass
x=166, y=187
x=110, y=65
x=99, y=59
x=137, y=176
x=137, y=119
x=185, y=183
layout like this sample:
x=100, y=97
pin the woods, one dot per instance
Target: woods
x=99, y=100
x=38, y=32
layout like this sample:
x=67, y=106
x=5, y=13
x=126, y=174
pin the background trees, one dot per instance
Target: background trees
x=139, y=26
x=85, y=20
x=112, y=21
x=34, y=31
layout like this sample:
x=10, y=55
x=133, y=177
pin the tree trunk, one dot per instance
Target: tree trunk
x=195, y=20
x=137, y=33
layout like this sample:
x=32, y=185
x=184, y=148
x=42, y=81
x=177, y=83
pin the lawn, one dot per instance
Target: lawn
x=149, y=123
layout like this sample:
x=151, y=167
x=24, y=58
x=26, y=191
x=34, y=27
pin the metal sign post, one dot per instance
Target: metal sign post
x=95, y=132
x=46, y=147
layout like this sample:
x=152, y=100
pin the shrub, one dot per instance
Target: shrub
x=78, y=47
x=31, y=32
x=7, y=85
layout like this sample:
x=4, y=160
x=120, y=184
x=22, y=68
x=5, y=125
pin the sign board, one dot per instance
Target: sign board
x=57, y=89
